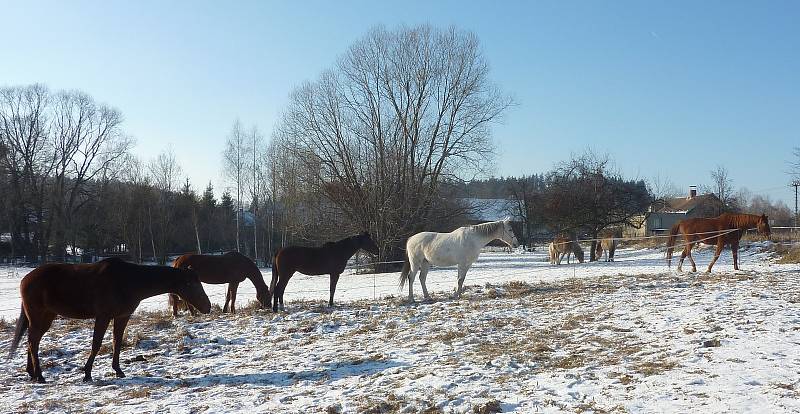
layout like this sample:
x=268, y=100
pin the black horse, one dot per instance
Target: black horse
x=330, y=259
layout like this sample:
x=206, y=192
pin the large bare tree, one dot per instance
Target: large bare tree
x=402, y=110
x=235, y=159
x=88, y=144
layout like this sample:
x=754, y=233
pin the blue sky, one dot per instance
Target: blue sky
x=666, y=88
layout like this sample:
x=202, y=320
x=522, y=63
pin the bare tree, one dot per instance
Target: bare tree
x=27, y=161
x=402, y=110
x=722, y=186
x=165, y=174
x=235, y=159
x=87, y=143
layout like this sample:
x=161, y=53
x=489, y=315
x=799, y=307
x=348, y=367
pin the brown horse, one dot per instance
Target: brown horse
x=727, y=229
x=107, y=290
x=231, y=268
x=562, y=246
x=608, y=245
x=330, y=259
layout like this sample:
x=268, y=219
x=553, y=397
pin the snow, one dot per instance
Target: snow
x=527, y=336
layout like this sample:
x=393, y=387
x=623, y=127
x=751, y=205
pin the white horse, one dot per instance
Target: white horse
x=459, y=247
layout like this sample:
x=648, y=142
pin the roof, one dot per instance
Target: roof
x=492, y=209
x=684, y=205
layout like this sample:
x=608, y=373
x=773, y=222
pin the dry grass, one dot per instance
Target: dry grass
x=788, y=255
x=654, y=367
x=489, y=407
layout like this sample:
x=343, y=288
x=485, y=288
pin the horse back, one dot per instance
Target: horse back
x=69, y=290
x=213, y=269
x=307, y=260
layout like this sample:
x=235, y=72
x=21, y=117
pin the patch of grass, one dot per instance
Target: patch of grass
x=139, y=392
x=649, y=368
x=788, y=255
x=7, y=327
x=489, y=407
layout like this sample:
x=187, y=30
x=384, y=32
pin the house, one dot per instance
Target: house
x=663, y=214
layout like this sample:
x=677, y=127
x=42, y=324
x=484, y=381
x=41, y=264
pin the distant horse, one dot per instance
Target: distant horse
x=107, y=290
x=727, y=229
x=460, y=247
x=563, y=246
x=552, y=253
x=607, y=245
x=330, y=259
x=231, y=268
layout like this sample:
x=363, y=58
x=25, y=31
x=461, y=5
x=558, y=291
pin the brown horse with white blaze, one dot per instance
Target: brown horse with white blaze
x=231, y=268
x=330, y=259
x=107, y=290
x=727, y=229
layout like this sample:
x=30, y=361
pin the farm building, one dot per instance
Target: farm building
x=663, y=214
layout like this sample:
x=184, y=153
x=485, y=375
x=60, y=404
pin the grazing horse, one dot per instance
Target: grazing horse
x=460, y=247
x=231, y=268
x=330, y=259
x=107, y=290
x=727, y=229
x=562, y=246
x=607, y=245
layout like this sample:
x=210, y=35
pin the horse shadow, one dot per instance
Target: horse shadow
x=333, y=372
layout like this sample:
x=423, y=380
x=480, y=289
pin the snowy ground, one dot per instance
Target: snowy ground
x=527, y=336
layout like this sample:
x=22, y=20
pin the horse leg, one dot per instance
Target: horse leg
x=462, y=274
x=423, y=274
x=173, y=300
x=233, y=287
x=334, y=281
x=280, y=288
x=36, y=329
x=119, y=330
x=735, y=253
x=689, y=254
x=411, y=274
x=717, y=252
x=227, y=299
x=100, y=326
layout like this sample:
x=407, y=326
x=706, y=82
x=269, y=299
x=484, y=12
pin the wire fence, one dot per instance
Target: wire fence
x=14, y=269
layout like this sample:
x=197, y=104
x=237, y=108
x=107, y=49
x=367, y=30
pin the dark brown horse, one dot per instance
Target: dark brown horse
x=107, y=290
x=330, y=259
x=231, y=268
x=727, y=229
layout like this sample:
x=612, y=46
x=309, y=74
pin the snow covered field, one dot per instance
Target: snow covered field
x=527, y=336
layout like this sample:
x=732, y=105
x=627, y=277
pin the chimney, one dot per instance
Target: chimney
x=692, y=191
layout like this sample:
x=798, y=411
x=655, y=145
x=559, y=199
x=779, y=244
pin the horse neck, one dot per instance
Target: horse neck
x=743, y=221
x=257, y=278
x=151, y=281
x=485, y=238
x=346, y=248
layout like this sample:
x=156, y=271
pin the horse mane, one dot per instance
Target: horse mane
x=338, y=242
x=740, y=220
x=487, y=229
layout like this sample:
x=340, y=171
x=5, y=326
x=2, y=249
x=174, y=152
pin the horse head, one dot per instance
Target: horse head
x=366, y=243
x=763, y=226
x=191, y=290
x=508, y=234
x=264, y=297
x=576, y=249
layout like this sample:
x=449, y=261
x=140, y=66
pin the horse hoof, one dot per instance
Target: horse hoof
x=41, y=380
x=87, y=378
x=120, y=374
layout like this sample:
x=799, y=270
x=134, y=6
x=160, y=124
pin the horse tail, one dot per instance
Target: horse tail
x=22, y=326
x=671, y=242
x=404, y=273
